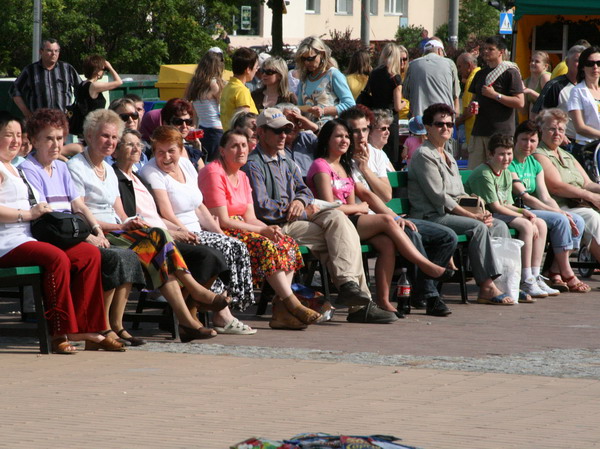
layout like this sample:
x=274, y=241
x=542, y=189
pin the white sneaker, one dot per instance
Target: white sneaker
x=541, y=282
x=531, y=287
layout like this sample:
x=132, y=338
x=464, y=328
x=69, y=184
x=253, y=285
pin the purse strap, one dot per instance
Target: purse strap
x=32, y=200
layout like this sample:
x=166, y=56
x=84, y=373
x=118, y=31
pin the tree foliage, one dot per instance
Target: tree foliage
x=476, y=20
x=409, y=36
x=137, y=36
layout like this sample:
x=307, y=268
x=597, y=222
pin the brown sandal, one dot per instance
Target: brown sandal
x=556, y=282
x=577, y=286
x=62, y=346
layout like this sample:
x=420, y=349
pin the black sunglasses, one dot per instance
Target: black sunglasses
x=180, y=121
x=442, y=124
x=131, y=115
x=591, y=63
x=284, y=129
x=269, y=72
x=309, y=58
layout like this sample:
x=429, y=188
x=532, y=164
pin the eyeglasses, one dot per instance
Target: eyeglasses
x=131, y=115
x=309, y=58
x=138, y=145
x=279, y=131
x=270, y=72
x=555, y=130
x=383, y=128
x=442, y=124
x=592, y=63
x=180, y=121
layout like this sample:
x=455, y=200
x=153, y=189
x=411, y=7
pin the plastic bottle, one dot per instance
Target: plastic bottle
x=403, y=289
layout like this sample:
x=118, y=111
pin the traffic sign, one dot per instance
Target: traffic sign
x=506, y=21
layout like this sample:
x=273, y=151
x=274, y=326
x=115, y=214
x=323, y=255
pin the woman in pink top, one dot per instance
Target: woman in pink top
x=274, y=256
x=330, y=179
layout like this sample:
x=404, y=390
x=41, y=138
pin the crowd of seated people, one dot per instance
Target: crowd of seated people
x=205, y=227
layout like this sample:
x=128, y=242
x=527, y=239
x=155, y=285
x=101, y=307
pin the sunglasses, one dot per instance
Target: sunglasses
x=403, y=59
x=269, y=72
x=383, y=128
x=591, y=63
x=442, y=124
x=180, y=121
x=131, y=115
x=309, y=58
x=279, y=131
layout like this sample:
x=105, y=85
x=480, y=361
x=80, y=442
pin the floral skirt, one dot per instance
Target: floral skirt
x=266, y=256
x=239, y=287
x=156, y=252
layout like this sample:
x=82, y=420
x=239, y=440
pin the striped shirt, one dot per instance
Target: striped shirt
x=41, y=88
x=208, y=113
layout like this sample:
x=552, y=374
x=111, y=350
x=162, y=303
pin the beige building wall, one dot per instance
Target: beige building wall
x=297, y=23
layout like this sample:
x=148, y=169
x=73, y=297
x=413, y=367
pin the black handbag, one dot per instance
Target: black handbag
x=61, y=229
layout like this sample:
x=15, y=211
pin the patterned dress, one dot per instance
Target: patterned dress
x=266, y=257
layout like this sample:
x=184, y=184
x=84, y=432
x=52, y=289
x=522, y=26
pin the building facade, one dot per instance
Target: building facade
x=320, y=17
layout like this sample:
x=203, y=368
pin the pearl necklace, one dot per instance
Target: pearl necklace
x=100, y=172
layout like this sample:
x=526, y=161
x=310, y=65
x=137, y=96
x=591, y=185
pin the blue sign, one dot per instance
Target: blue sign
x=506, y=23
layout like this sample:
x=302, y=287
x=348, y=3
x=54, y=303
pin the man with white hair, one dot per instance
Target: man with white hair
x=431, y=79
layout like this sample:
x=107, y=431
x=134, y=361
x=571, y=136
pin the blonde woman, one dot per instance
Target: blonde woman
x=323, y=92
x=204, y=91
x=539, y=76
x=274, y=76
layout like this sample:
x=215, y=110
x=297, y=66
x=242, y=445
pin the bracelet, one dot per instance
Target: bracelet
x=20, y=216
x=520, y=210
x=398, y=217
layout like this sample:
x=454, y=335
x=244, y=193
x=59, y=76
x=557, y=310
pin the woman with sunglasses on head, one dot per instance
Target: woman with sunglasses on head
x=180, y=114
x=323, y=92
x=274, y=76
x=204, y=91
x=434, y=186
x=584, y=100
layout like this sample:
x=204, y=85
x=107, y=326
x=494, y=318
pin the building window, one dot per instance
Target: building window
x=373, y=7
x=343, y=7
x=313, y=6
x=396, y=7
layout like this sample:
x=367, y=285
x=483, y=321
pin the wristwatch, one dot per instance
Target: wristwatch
x=499, y=97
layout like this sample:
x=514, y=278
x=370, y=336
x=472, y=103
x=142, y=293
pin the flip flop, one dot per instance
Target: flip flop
x=235, y=327
x=524, y=298
x=496, y=300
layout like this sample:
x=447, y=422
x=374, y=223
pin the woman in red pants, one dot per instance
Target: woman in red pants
x=72, y=283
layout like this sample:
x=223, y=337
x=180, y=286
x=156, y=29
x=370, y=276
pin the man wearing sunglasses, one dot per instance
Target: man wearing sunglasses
x=498, y=88
x=281, y=197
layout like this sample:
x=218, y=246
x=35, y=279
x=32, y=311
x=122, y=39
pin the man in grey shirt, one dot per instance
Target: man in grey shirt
x=431, y=79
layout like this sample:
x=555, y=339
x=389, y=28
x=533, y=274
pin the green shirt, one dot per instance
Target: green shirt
x=484, y=183
x=567, y=169
x=527, y=172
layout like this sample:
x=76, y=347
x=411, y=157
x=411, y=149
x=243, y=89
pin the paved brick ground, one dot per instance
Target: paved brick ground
x=162, y=400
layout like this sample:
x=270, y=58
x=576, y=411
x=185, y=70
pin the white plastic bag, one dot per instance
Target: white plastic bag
x=508, y=254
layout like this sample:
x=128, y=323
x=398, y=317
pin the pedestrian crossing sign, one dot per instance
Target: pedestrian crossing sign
x=506, y=20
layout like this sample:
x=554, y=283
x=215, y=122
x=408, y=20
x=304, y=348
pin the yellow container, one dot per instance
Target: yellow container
x=174, y=78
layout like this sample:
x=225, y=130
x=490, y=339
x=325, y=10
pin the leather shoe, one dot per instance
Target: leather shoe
x=446, y=276
x=350, y=294
x=437, y=307
x=371, y=314
x=418, y=303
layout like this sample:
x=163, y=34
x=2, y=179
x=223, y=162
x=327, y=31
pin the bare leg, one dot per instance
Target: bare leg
x=108, y=299
x=384, y=270
x=526, y=236
x=371, y=225
x=172, y=292
x=198, y=292
x=487, y=290
x=117, y=309
x=281, y=283
x=539, y=244
x=595, y=250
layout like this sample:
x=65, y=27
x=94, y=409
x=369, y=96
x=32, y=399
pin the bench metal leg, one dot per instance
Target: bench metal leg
x=42, y=323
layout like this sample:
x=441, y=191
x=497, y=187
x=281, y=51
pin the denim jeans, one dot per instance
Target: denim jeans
x=210, y=142
x=437, y=243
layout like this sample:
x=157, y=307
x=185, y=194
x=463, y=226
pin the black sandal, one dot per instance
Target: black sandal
x=132, y=341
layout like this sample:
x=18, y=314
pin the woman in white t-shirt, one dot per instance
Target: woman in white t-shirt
x=174, y=184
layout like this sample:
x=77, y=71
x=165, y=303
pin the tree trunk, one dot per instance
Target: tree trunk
x=277, y=27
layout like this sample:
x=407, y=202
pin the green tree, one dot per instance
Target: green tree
x=476, y=19
x=409, y=36
x=137, y=36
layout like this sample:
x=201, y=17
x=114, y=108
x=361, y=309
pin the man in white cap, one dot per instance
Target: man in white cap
x=281, y=197
x=431, y=79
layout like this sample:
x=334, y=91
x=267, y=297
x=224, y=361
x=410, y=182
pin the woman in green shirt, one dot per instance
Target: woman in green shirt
x=493, y=182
